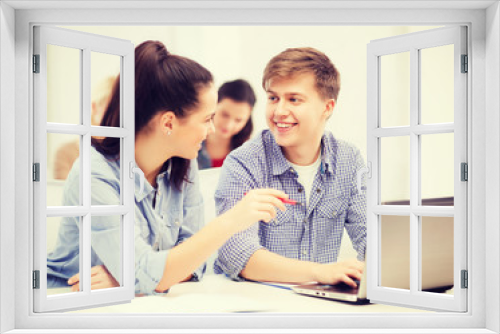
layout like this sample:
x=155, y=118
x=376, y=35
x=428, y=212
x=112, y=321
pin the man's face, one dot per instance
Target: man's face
x=296, y=114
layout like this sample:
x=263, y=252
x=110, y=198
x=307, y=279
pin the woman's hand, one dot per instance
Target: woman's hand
x=100, y=278
x=343, y=271
x=256, y=205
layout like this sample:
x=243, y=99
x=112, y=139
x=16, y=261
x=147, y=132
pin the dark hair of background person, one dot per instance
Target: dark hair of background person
x=239, y=91
x=163, y=82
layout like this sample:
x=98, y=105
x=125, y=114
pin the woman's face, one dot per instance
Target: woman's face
x=230, y=117
x=191, y=131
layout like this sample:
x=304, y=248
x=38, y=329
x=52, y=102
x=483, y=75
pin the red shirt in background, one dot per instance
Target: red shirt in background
x=217, y=162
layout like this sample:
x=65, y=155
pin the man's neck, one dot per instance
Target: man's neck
x=302, y=156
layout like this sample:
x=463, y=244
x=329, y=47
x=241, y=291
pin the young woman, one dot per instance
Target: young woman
x=232, y=121
x=174, y=107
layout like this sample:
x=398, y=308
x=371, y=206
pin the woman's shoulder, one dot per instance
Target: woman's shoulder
x=104, y=166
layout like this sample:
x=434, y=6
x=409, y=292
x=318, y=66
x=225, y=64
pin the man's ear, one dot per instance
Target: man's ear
x=330, y=105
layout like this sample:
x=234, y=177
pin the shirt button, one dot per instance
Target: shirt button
x=304, y=252
x=305, y=220
x=300, y=190
x=334, y=213
x=177, y=223
x=318, y=190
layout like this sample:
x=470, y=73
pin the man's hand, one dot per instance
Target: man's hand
x=343, y=271
x=100, y=278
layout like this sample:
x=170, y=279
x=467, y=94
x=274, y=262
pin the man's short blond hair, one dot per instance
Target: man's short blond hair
x=296, y=61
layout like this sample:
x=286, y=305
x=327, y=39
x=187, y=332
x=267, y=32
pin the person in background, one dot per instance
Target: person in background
x=232, y=122
x=69, y=152
x=175, y=101
x=297, y=156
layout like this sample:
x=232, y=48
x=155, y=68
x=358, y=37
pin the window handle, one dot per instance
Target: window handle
x=359, y=176
x=136, y=170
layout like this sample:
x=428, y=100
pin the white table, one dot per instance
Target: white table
x=218, y=294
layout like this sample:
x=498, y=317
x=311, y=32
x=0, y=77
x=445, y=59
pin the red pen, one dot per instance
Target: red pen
x=287, y=201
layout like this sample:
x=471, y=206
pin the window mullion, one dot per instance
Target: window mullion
x=373, y=188
x=429, y=211
x=85, y=167
x=414, y=170
x=417, y=129
x=105, y=131
x=79, y=211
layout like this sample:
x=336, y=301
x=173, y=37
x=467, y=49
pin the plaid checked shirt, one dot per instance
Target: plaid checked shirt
x=311, y=233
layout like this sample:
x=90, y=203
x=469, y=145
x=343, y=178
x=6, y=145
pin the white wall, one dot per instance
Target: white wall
x=242, y=52
x=232, y=52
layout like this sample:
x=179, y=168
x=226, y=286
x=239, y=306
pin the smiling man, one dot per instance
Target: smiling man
x=296, y=155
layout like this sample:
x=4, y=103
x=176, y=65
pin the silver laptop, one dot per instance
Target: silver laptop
x=339, y=291
x=437, y=260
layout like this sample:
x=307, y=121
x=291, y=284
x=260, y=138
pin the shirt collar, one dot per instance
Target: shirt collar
x=329, y=148
x=328, y=152
x=279, y=163
x=148, y=188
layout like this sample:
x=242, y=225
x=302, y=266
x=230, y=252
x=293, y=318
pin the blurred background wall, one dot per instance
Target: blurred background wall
x=232, y=52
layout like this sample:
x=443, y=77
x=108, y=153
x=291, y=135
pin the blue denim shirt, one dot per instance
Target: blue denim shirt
x=204, y=160
x=176, y=216
x=311, y=233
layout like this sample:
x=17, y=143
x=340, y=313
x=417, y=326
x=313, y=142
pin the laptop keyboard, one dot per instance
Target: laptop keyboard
x=341, y=286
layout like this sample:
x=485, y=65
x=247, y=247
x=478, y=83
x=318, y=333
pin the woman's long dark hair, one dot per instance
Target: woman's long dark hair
x=163, y=82
x=239, y=91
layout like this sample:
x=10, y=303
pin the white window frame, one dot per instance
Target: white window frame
x=85, y=43
x=413, y=44
x=484, y=103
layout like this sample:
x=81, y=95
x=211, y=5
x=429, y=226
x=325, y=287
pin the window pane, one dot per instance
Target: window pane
x=437, y=169
x=62, y=152
x=437, y=84
x=395, y=170
x=395, y=90
x=106, y=171
x=63, y=249
x=437, y=253
x=106, y=241
x=63, y=85
x=395, y=252
x=104, y=71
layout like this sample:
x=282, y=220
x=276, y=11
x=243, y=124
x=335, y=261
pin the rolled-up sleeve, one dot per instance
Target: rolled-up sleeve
x=106, y=230
x=235, y=180
x=355, y=223
x=149, y=263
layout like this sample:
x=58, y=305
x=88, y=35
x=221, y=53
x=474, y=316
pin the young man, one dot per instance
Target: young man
x=296, y=155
